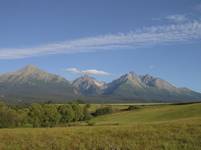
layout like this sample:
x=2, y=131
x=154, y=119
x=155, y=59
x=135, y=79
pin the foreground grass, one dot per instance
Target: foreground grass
x=176, y=135
x=165, y=127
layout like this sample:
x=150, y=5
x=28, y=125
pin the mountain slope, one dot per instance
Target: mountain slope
x=33, y=84
x=29, y=74
x=131, y=86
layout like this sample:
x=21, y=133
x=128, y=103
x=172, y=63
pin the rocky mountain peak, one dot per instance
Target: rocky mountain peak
x=131, y=76
x=30, y=69
x=33, y=81
x=87, y=81
x=88, y=85
x=30, y=73
x=148, y=79
x=30, y=66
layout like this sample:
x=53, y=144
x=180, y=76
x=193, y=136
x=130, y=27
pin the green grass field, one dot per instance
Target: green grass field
x=157, y=127
x=155, y=113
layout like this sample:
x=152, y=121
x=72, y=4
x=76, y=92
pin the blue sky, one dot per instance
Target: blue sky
x=104, y=38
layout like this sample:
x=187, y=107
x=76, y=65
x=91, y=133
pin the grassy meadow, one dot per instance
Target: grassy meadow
x=152, y=113
x=152, y=127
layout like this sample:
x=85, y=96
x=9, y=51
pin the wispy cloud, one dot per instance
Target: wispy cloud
x=88, y=72
x=139, y=38
x=177, y=18
x=74, y=70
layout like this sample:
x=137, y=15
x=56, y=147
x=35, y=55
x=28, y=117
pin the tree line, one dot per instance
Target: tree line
x=42, y=115
x=47, y=115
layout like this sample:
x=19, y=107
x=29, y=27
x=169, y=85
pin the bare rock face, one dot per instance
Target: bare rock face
x=86, y=85
x=151, y=81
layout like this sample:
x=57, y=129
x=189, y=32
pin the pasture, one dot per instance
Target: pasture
x=166, y=127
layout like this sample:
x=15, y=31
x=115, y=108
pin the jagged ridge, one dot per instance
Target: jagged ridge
x=31, y=83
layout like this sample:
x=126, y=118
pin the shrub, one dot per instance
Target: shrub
x=86, y=113
x=132, y=107
x=103, y=111
x=90, y=123
x=78, y=112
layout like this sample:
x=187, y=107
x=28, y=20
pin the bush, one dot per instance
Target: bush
x=103, y=111
x=78, y=112
x=132, y=107
x=90, y=123
x=86, y=113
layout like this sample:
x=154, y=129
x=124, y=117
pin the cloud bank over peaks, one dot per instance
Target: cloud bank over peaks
x=88, y=72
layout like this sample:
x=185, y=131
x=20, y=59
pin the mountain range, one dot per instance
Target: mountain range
x=31, y=84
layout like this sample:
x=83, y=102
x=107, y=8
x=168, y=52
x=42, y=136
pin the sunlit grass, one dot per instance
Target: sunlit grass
x=167, y=127
x=152, y=114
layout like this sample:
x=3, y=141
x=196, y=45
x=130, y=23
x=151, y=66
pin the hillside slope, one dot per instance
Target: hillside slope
x=153, y=114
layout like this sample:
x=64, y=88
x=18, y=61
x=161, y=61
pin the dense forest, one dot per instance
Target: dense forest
x=46, y=115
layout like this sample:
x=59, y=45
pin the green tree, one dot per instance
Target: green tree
x=8, y=116
x=78, y=112
x=22, y=116
x=86, y=112
x=67, y=113
x=51, y=116
x=3, y=115
x=36, y=115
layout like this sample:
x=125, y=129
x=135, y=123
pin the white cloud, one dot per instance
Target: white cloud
x=95, y=72
x=74, y=70
x=88, y=72
x=177, y=18
x=143, y=37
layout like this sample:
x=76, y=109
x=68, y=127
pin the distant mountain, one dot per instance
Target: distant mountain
x=31, y=84
x=132, y=86
x=29, y=75
x=88, y=86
